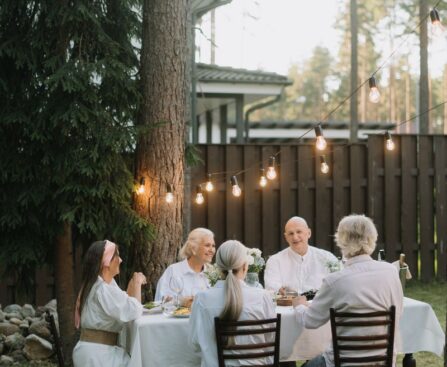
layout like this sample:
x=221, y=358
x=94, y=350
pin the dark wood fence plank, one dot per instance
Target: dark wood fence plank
x=409, y=216
x=392, y=203
x=376, y=185
x=426, y=202
x=358, y=169
x=288, y=190
x=252, y=197
x=235, y=210
x=198, y=212
x=440, y=149
x=323, y=203
x=216, y=199
x=341, y=182
x=270, y=206
x=306, y=186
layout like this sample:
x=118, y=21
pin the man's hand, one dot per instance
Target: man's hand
x=300, y=300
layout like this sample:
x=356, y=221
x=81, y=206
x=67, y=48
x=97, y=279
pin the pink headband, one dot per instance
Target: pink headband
x=109, y=251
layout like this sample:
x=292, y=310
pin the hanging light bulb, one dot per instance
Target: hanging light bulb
x=141, y=186
x=271, y=171
x=324, y=167
x=263, y=180
x=209, y=185
x=169, y=194
x=321, y=141
x=374, y=94
x=436, y=26
x=389, y=141
x=199, y=196
x=236, y=190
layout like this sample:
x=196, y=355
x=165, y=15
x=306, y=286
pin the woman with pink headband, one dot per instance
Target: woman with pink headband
x=102, y=308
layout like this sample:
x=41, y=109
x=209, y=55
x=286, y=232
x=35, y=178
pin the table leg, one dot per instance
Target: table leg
x=409, y=361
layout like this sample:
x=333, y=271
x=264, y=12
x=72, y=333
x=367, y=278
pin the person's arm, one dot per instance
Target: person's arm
x=272, y=274
x=200, y=329
x=163, y=285
x=317, y=313
x=134, y=286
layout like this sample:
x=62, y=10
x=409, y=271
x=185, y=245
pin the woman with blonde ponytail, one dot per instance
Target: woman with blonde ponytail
x=230, y=299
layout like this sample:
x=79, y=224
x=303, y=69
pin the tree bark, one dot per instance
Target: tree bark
x=160, y=151
x=65, y=292
x=424, y=120
x=354, y=74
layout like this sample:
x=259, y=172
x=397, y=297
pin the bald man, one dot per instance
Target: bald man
x=299, y=267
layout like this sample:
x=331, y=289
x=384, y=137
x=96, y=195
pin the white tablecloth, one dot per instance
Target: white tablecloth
x=156, y=340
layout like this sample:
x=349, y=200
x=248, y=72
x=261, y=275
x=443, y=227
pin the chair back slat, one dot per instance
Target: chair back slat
x=57, y=341
x=226, y=329
x=362, y=342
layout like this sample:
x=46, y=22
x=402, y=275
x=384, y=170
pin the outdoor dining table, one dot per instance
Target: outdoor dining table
x=157, y=340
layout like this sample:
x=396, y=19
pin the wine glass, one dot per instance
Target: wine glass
x=176, y=285
x=168, y=306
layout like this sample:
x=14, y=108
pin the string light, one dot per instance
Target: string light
x=263, y=179
x=374, y=94
x=389, y=141
x=236, y=190
x=324, y=167
x=199, y=196
x=169, y=194
x=436, y=26
x=141, y=186
x=209, y=185
x=321, y=141
x=271, y=171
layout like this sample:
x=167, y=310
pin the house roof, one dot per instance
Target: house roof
x=222, y=74
x=200, y=7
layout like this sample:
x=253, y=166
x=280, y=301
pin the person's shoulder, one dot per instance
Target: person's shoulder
x=279, y=255
x=323, y=253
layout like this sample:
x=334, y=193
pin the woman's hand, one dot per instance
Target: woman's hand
x=139, y=278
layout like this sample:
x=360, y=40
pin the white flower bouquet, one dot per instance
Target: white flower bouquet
x=213, y=273
x=256, y=262
x=334, y=266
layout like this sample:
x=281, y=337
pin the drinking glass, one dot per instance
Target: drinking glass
x=168, y=306
x=176, y=285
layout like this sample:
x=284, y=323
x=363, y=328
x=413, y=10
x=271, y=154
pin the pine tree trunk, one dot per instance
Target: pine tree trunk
x=65, y=293
x=354, y=118
x=160, y=151
x=424, y=120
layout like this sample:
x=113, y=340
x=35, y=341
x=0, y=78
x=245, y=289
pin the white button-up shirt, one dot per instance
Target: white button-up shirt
x=364, y=285
x=300, y=273
x=257, y=305
x=192, y=282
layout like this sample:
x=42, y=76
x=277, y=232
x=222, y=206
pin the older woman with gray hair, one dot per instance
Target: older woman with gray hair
x=197, y=251
x=230, y=299
x=364, y=285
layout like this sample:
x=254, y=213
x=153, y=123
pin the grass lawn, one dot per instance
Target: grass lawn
x=435, y=294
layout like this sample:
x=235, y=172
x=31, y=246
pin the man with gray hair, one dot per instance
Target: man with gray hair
x=364, y=285
x=299, y=267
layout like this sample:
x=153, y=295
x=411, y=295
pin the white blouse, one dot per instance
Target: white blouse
x=107, y=308
x=364, y=285
x=257, y=305
x=192, y=282
x=300, y=273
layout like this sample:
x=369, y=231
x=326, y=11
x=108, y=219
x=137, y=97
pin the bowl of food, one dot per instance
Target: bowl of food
x=285, y=300
x=182, y=312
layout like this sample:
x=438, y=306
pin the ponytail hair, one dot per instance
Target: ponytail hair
x=231, y=256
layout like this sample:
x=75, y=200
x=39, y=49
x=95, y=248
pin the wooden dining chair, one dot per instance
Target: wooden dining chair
x=367, y=342
x=56, y=339
x=228, y=329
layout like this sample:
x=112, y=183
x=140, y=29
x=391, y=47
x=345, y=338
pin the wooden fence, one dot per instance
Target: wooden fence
x=404, y=191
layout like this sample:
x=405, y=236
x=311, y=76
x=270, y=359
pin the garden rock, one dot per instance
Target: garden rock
x=2, y=316
x=18, y=356
x=12, y=308
x=27, y=310
x=15, y=321
x=13, y=315
x=51, y=306
x=8, y=329
x=40, y=328
x=6, y=360
x=37, y=348
x=15, y=341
